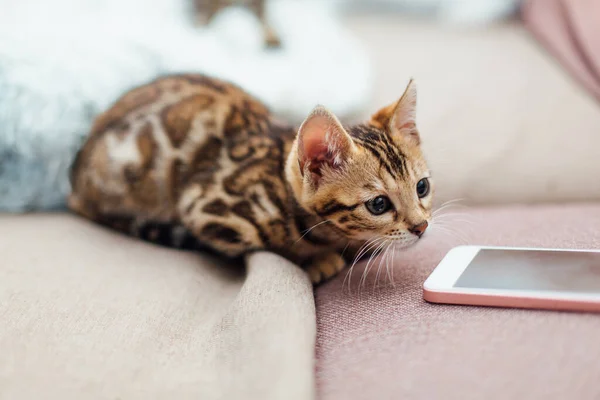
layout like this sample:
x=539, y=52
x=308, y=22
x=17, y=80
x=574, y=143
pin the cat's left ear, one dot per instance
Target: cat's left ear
x=400, y=117
x=322, y=143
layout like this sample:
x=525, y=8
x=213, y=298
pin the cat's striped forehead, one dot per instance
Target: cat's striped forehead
x=378, y=143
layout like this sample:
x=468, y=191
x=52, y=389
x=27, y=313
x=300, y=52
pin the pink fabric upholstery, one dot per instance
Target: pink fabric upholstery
x=570, y=29
x=387, y=343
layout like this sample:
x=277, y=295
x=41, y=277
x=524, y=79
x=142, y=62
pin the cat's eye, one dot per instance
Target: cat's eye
x=378, y=205
x=423, y=188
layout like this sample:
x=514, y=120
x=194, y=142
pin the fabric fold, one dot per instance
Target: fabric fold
x=86, y=313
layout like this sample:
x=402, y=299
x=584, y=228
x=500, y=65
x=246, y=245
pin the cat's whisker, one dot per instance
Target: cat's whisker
x=348, y=276
x=452, y=222
x=364, y=248
x=452, y=233
x=451, y=218
x=344, y=252
x=450, y=204
x=367, y=267
x=452, y=201
x=381, y=259
x=385, y=260
x=345, y=248
x=387, y=263
x=436, y=225
x=447, y=212
x=440, y=227
x=373, y=254
x=447, y=205
x=310, y=229
x=374, y=257
x=393, y=258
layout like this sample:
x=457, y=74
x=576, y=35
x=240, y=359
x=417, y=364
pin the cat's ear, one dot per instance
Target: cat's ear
x=400, y=117
x=322, y=142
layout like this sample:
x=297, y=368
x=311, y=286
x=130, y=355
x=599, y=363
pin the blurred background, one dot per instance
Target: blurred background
x=508, y=89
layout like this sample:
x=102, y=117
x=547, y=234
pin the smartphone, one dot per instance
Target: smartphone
x=550, y=279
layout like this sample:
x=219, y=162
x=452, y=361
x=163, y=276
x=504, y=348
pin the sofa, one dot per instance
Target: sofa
x=512, y=131
x=86, y=313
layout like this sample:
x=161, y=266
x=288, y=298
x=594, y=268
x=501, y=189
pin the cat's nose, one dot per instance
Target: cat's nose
x=419, y=230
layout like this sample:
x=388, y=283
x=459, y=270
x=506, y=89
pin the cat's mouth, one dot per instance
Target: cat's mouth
x=405, y=240
x=399, y=239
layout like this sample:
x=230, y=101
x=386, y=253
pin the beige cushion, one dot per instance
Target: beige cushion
x=89, y=314
x=500, y=119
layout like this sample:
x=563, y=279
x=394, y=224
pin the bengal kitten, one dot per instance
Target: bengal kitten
x=191, y=161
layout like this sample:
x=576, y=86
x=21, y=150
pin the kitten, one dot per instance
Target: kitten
x=191, y=161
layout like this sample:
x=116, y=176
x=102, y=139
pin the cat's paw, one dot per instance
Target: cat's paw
x=325, y=266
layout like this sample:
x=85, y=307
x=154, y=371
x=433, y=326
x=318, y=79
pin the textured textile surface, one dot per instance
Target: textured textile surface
x=388, y=343
x=570, y=29
x=496, y=112
x=88, y=314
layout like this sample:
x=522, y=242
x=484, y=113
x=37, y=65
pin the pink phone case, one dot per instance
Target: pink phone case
x=495, y=300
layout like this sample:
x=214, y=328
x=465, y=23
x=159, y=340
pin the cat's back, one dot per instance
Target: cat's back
x=141, y=148
x=173, y=104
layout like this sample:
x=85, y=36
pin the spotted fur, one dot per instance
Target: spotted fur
x=194, y=162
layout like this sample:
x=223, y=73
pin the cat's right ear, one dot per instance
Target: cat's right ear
x=400, y=118
x=322, y=143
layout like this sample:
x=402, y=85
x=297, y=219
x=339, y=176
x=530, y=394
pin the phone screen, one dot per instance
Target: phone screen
x=565, y=271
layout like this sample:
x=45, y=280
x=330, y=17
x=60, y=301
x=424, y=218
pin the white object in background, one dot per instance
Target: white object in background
x=62, y=62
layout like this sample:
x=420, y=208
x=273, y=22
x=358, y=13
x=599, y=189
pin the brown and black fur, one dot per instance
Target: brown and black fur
x=191, y=161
